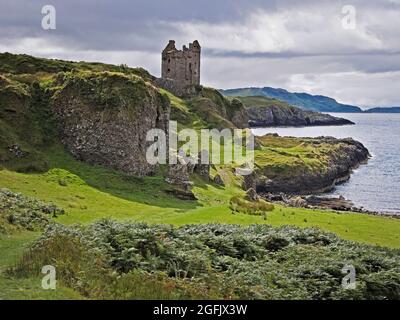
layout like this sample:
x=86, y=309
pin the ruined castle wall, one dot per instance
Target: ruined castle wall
x=182, y=66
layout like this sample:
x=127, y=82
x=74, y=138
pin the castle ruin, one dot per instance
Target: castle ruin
x=182, y=66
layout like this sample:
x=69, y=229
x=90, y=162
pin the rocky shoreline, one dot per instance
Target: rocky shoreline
x=264, y=112
x=264, y=118
x=336, y=166
x=308, y=189
x=321, y=202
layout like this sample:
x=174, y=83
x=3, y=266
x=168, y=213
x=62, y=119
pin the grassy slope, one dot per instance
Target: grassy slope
x=261, y=101
x=94, y=192
x=11, y=248
x=100, y=192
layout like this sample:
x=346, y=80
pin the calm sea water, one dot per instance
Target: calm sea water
x=376, y=185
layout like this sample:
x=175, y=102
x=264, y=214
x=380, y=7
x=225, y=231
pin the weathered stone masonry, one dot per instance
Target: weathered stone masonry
x=183, y=66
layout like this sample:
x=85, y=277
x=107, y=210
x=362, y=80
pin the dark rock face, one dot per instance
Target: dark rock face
x=251, y=195
x=237, y=114
x=265, y=116
x=218, y=180
x=347, y=156
x=320, y=202
x=104, y=119
x=250, y=181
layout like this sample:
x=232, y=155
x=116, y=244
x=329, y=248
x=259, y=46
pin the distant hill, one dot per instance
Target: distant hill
x=383, y=110
x=265, y=112
x=302, y=100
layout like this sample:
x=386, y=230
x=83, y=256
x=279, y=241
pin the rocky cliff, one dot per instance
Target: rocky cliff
x=104, y=118
x=304, y=165
x=267, y=112
x=217, y=111
x=299, y=99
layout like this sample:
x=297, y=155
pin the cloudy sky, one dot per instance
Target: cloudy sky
x=321, y=47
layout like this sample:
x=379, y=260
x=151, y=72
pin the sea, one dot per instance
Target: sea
x=374, y=186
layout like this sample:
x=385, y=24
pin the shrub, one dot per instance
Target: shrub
x=18, y=211
x=256, y=208
x=112, y=260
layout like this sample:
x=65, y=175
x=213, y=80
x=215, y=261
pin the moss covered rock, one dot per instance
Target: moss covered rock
x=104, y=118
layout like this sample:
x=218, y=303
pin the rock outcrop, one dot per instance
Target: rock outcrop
x=217, y=111
x=251, y=195
x=332, y=165
x=104, y=119
x=266, y=112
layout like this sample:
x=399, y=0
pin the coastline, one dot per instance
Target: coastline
x=334, y=165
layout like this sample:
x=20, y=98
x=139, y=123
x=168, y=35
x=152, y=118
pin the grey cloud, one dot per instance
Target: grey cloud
x=258, y=42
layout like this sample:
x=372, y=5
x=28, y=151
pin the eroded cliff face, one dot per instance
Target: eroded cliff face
x=261, y=116
x=218, y=111
x=304, y=165
x=104, y=118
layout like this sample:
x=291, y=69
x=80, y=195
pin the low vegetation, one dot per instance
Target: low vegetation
x=256, y=208
x=115, y=260
x=217, y=246
x=21, y=212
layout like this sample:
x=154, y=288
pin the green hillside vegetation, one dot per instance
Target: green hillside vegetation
x=115, y=260
x=302, y=100
x=255, y=101
x=45, y=184
x=27, y=69
x=286, y=157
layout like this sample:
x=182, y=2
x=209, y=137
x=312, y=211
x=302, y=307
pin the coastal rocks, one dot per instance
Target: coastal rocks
x=313, y=202
x=274, y=115
x=298, y=202
x=334, y=203
x=104, y=119
x=334, y=160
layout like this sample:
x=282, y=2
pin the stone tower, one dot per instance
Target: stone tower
x=182, y=66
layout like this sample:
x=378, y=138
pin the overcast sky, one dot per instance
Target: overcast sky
x=303, y=46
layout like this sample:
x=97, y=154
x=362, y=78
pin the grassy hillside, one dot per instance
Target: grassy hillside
x=88, y=193
x=301, y=100
x=262, y=101
x=115, y=260
x=33, y=162
x=45, y=170
x=28, y=69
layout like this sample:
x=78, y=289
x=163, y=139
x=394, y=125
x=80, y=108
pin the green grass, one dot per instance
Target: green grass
x=11, y=288
x=28, y=69
x=287, y=156
x=261, y=101
x=88, y=193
